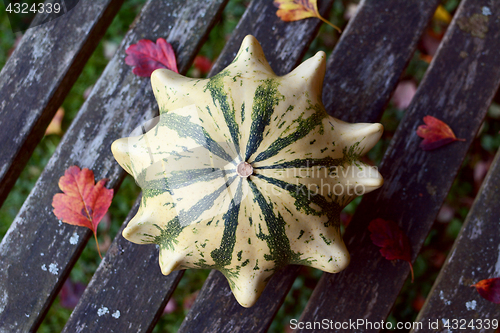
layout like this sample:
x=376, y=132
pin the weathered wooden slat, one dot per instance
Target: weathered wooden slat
x=127, y=292
x=475, y=256
x=458, y=88
x=37, y=77
x=398, y=45
x=37, y=252
x=372, y=52
x=224, y=314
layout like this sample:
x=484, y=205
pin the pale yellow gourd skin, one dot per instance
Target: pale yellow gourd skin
x=242, y=246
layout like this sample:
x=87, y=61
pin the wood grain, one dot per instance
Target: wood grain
x=475, y=256
x=37, y=77
x=36, y=252
x=456, y=89
x=228, y=315
x=372, y=53
x=127, y=292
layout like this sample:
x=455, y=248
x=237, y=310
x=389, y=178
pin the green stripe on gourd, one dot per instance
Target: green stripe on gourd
x=185, y=128
x=304, y=127
x=265, y=99
x=232, y=172
x=219, y=96
x=223, y=256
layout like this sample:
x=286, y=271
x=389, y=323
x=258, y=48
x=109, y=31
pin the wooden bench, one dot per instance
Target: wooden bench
x=362, y=73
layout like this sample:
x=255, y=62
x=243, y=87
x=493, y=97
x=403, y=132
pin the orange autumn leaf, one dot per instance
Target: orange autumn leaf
x=294, y=10
x=489, y=289
x=392, y=240
x=83, y=202
x=55, y=125
x=435, y=133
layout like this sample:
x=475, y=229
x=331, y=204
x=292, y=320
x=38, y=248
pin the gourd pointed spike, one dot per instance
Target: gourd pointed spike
x=147, y=226
x=119, y=148
x=251, y=55
x=356, y=141
x=166, y=84
x=367, y=178
x=333, y=256
x=247, y=288
x=138, y=226
x=373, y=133
x=311, y=73
x=363, y=135
x=170, y=261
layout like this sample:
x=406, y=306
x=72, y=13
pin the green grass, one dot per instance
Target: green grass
x=426, y=268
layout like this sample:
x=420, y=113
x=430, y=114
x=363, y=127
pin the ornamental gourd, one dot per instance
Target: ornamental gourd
x=245, y=172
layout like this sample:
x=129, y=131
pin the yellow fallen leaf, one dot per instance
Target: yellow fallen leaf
x=294, y=10
x=55, y=125
x=442, y=15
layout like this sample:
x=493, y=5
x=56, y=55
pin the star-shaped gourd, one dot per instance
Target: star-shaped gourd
x=245, y=172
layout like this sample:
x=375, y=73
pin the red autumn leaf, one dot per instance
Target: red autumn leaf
x=147, y=56
x=393, y=241
x=294, y=10
x=83, y=202
x=202, y=63
x=489, y=289
x=435, y=133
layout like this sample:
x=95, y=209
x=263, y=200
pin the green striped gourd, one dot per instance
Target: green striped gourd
x=245, y=172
